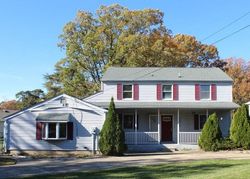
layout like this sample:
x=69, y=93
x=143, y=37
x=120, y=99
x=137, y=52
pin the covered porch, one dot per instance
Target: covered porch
x=168, y=126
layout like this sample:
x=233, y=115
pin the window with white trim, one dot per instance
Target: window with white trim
x=204, y=92
x=153, y=123
x=127, y=91
x=167, y=91
x=54, y=130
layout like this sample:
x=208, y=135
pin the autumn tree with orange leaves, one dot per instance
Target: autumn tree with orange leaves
x=11, y=105
x=239, y=71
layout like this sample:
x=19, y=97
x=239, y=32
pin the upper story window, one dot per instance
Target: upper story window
x=204, y=91
x=167, y=91
x=127, y=91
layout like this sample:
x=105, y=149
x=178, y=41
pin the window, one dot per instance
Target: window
x=202, y=119
x=62, y=130
x=127, y=91
x=128, y=121
x=51, y=130
x=54, y=130
x=167, y=91
x=199, y=121
x=205, y=91
x=153, y=123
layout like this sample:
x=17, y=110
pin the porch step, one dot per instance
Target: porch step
x=161, y=148
x=149, y=148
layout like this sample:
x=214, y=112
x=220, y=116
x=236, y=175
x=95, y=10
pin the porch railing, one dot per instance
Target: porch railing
x=152, y=137
x=189, y=137
x=141, y=137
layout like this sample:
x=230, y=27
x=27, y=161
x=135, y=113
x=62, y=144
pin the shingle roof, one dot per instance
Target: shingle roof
x=164, y=74
x=170, y=105
x=4, y=113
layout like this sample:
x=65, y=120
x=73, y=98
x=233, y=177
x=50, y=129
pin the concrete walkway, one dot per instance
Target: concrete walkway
x=60, y=165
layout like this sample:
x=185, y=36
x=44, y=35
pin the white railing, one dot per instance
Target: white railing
x=141, y=137
x=152, y=137
x=189, y=137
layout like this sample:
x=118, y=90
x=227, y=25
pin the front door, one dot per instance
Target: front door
x=166, y=128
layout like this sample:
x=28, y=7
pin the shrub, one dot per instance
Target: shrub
x=210, y=134
x=225, y=144
x=120, y=146
x=240, y=130
x=112, y=136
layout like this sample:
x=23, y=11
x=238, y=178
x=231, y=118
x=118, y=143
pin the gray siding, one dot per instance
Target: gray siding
x=22, y=129
x=147, y=92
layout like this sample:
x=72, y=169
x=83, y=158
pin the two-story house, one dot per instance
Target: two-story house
x=159, y=108
x=166, y=106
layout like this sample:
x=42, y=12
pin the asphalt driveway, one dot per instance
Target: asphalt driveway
x=28, y=167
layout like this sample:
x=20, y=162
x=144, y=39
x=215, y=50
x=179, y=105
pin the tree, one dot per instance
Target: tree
x=240, y=129
x=117, y=36
x=30, y=98
x=239, y=71
x=210, y=134
x=112, y=136
x=120, y=146
x=11, y=105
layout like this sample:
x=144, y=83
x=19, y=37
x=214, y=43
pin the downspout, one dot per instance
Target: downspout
x=5, y=136
x=94, y=133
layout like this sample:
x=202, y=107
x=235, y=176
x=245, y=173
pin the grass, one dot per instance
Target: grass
x=7, y=161
x=194, y=169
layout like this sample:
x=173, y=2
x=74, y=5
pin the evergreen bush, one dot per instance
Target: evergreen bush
x=210, y=134
x=226, y=144
x=111, y=141
x=120, y=146
x=240, y=130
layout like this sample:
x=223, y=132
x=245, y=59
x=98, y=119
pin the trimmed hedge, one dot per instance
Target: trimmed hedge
x=210, y=134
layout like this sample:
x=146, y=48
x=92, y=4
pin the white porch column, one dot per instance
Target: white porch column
x=136, y=126
x=159, y=126
x=178, y=126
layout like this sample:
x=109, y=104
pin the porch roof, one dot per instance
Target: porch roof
x=170, y=105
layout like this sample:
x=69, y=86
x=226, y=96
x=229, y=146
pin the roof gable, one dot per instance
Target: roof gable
x=57, y=103
x=165, y=74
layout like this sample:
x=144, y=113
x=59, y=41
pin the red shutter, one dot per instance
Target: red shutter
x=119, y=91
x=38, y=131
x=158, y=92
x=136, y=92
x=175, y=92
x=197, y=92
x=213, y=92
x=196, y=122
x=70, y=130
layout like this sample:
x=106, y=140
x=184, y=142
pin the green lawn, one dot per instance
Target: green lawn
x=195, y=169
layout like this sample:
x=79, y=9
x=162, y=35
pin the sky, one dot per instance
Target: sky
x=29, y=31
